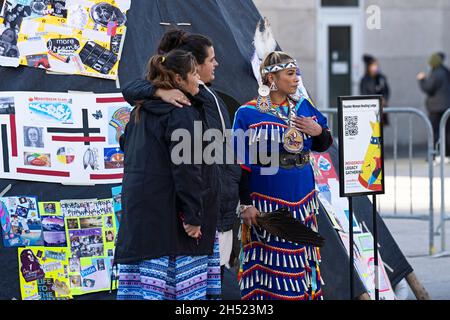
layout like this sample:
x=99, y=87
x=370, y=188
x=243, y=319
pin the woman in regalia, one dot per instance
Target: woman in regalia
x=285, y=125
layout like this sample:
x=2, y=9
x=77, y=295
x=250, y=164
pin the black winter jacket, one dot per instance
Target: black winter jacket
x=437, y=88
x=376, y=85
x=229, y=174
x=155, y=190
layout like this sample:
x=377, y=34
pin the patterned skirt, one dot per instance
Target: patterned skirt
x=273, y=268
x=172, y=278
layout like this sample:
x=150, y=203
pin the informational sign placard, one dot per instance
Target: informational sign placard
x=361, y=156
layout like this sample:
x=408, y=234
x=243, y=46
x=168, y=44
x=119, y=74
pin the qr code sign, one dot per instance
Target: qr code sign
x=351, y=125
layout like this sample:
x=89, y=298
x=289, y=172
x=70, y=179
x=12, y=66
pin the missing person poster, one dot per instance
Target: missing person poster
x=361, y=146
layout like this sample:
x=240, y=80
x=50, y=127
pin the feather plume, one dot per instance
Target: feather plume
x=281, y=223
x=264, y=40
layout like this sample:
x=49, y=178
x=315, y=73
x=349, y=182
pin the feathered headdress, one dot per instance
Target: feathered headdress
x=264, y=40
x=264, y=43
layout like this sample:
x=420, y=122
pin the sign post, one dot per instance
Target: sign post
x=361, y=162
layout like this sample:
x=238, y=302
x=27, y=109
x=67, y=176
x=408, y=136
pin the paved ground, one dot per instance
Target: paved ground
x=413, y=235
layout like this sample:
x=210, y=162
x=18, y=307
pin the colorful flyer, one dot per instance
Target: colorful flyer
x=53, y=229
x=91, y=232
x=70, y=138
x=364, y=241
x=117, y=201
x=43, y=273
x=20, y=221
x=82, y=37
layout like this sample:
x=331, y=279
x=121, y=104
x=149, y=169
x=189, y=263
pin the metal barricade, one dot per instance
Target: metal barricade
x=442, y=142
x=430, y=155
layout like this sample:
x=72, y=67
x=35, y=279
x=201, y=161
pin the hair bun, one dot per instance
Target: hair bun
x=172, y=39
x=368, y=59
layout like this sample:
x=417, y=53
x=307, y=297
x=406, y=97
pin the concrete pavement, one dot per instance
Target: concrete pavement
x=413, y=235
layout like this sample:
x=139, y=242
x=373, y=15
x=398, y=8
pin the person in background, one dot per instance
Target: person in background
x=217, y=116
x=375, y=83
x=443, y=57
x=167, y=247
x=437, y=88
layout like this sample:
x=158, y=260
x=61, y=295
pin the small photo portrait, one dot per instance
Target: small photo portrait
x=108, y=222
x=23, y=200
x=33, y=137
x=72, y=223
x=8, y=43
x=74, y=264
x=101, y=264
x=109, y=235
x=31, y=205
x=49, y=207
x=75, y=281
x=22, y=211
x=110, y=252
x=88, y=283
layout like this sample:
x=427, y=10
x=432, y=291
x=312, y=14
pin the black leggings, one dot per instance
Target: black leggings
x=435, y=118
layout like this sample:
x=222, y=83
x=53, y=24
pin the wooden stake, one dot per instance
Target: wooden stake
x=417, y=288
x=364, y=296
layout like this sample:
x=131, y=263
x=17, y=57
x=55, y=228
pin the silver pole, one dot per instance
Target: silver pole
x=395, y=162
x=442, y=137
x=430, y=154
x=410, y=165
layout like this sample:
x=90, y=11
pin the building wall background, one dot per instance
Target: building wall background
x=411, y=30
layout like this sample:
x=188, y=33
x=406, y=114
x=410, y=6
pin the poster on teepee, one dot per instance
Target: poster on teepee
x=81, y=37
x=70, y=138
x=361, y=157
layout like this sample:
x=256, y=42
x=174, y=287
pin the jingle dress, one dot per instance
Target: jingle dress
x=272, y=268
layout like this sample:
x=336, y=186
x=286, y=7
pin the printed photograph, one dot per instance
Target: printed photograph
x=86, y=243
x=91, y=222
x=37, y=159
x=33, y=137
x=38, y=61
x=49, y=207
x=72, y=223
x=75, y=281
x=109, y=236
x=100, y=264
x=74, y=264
x=54, y=234
x=108, y=222
x=23, y=200
x=7, y=105
x=54, y=239
x=22, y=211
x=113, y=158
x=52, y=223
x=119, y=117
x=88, y=283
